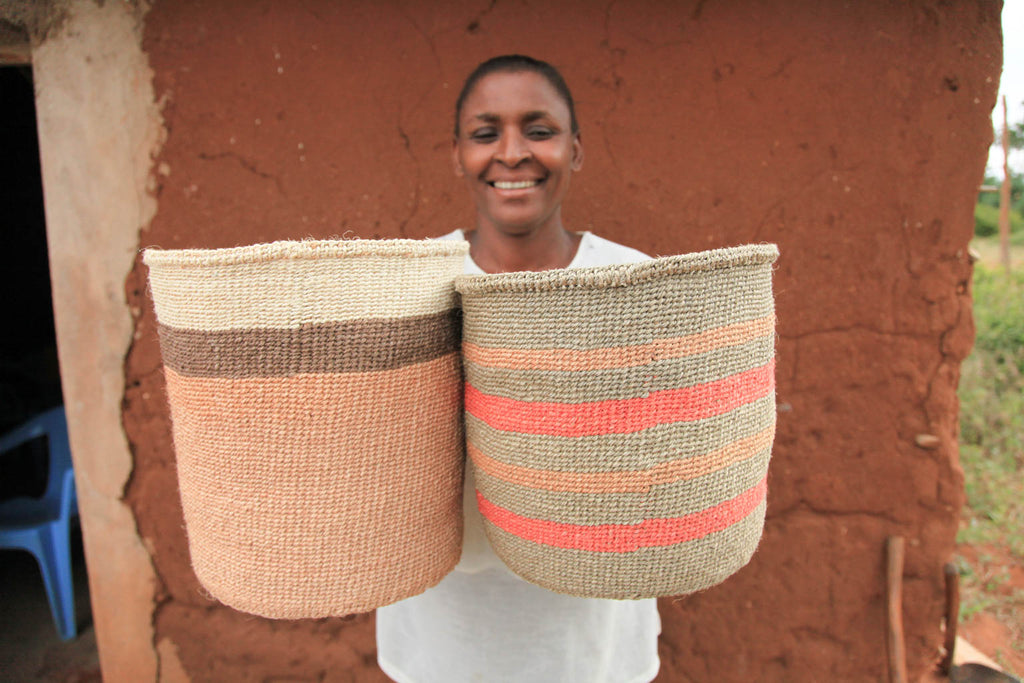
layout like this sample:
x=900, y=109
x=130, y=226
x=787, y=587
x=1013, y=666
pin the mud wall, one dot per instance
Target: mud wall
x=852, y=134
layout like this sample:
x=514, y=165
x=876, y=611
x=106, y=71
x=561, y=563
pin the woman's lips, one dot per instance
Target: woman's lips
x=514, y=184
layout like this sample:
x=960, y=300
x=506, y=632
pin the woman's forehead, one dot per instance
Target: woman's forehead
x=514, y=94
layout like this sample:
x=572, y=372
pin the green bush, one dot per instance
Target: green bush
x=986, y=221
x=999, y=314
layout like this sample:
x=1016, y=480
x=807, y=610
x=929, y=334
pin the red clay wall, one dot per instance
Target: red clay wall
x=852, y=134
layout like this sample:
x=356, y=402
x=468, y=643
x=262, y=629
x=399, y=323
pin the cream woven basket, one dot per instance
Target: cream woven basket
x=315, y=392
x=619, y=420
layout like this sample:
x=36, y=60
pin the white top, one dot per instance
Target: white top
x=484, y=623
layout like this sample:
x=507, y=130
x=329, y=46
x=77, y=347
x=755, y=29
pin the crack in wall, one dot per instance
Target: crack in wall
x=844, y=329
x=803, y=507
x=616, y=56
x=820, y=634
x=781, y=68
x=133, y=383
x=429, y=39
x=474, y=24
x=247, y=165
x=698, y=10
x=417, y=191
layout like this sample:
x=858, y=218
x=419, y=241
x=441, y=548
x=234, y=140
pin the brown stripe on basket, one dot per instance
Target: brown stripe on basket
x=629, y=481
x=344, y=346
x=575, y=360
x=302, y=432
x=646, y=572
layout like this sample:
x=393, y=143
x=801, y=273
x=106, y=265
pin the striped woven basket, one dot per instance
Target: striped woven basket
x=315, y=391
x=619, y=420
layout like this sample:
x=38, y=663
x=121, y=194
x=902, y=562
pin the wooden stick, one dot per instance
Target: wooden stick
x=1004, y=195
x=894, y=586
x=952, y=614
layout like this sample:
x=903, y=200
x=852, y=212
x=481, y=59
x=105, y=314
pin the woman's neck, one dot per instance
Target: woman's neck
x=500, y=252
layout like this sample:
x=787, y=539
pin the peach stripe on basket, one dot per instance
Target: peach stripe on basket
x=622, y=416
x=630, y=481
x=620, y=356
x=624, y=538
x=343, y=418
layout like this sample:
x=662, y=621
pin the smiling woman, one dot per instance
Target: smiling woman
x=516, y=146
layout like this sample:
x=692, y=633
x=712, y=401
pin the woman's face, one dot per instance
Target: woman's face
x=516, y=151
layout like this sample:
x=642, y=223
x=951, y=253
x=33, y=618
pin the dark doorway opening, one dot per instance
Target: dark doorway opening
x=30, y=384
x=29, y=373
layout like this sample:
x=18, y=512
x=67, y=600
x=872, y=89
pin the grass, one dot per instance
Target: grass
x=992, y=445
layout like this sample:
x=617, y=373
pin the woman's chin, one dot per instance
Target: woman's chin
x=517, y=230
x=518, y=225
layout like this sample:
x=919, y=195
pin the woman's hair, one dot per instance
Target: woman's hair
x=515, y=64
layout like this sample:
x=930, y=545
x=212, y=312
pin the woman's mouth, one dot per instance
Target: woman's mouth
x=514, y=184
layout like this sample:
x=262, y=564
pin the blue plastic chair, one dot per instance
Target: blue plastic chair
x=42, y=525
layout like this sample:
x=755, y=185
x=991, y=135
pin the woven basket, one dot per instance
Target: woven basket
x=619, y=420
x=315, y=392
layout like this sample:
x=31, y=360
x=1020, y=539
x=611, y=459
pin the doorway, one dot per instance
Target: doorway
x=30, y=383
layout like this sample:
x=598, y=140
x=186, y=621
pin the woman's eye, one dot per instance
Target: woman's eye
x=540, y=133
x=484, y=135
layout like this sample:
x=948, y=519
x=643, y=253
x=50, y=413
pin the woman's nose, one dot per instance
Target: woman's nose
x=512, y=149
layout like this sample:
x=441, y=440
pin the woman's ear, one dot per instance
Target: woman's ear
x=459, y=170
x=577, y=152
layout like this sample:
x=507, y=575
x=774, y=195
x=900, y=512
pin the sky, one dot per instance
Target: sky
x=1011, y=84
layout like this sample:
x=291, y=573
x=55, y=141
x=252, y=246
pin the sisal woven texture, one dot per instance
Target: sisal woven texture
x=315, y=391
x=619, y=420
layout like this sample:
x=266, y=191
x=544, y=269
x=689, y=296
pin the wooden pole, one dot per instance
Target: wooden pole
x=894, y=588
x=952, y=615
x=1004, y=195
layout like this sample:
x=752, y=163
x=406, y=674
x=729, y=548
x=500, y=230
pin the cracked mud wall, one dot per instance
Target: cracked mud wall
x=853, y=135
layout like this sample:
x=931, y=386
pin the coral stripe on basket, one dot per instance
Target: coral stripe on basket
x=622, y=416
x=630, y=481
x=624, y=538
x=574, y=360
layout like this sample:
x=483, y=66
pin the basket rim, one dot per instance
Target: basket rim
x=296, y=250
x=621, y=275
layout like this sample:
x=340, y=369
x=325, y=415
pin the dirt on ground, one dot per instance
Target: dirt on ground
x=995, y=627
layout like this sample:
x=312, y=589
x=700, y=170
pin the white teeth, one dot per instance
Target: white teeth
x=517, y=185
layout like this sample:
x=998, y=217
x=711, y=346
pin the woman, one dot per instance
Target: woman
x=516, y=145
